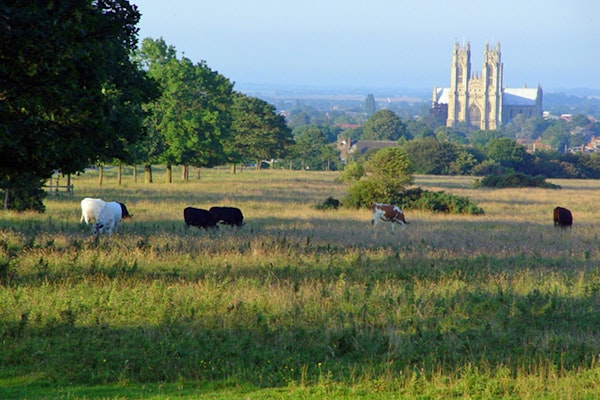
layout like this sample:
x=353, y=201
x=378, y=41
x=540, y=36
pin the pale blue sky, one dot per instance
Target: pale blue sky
x=381, y=43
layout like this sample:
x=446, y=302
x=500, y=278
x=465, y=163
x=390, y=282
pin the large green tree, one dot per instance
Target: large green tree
x=431, y=156
x=190, y=122
x=508, y=153
x=70, y=94
x=557, y=135
x=259, y=133
x=313, y=146
x=389, y=173
x=370, y=105
x=384, y=125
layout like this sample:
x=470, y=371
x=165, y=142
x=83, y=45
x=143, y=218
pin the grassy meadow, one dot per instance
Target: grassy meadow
x=300, y=303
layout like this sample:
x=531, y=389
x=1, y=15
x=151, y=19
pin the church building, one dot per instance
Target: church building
x=479, y=99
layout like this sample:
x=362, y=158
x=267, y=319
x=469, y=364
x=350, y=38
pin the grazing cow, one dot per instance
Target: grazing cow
x=125, y=212
x=227, y=215
x=388, y=213
x=108, y=219
x=90, y=209
x=199, y=217
x=563, y=217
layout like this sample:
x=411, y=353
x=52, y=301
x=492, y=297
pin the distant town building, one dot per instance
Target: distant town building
x=479, y=99
x=349, y=149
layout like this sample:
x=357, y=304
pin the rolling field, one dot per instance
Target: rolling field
x=300, y=303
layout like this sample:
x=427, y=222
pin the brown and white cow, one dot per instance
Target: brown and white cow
x=388, y=213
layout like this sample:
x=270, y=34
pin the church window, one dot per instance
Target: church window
x=490, y=75
x=474, y=116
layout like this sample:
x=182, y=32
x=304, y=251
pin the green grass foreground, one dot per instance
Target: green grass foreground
x=300, y=303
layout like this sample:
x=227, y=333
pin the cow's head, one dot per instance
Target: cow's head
x=125, y=211
x=98, y=227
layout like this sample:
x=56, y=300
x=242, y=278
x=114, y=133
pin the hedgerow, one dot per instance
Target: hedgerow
x=439, y=202
x=514, y=180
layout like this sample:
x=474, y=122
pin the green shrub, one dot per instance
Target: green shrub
x=442, y=202
x=329, y=204
x=364, y=193
x=352, y=172
x=514, y=180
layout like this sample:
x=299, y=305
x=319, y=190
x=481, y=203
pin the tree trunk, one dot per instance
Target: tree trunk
x=185, y=173
x=120, y=174
x=169, y=173
x=100, y=174
x=198, y=173
x=68, y=182
x=257, y=165
x=233, y=167
x=6, y=198
x=148, y=173
x=135, y=173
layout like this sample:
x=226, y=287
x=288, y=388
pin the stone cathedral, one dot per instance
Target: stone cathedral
x=478, y=98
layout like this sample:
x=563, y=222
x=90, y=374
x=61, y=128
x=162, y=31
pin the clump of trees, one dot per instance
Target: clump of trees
x=385, y=177
x=77, y=91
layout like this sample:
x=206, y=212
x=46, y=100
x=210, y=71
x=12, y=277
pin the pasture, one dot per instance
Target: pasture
x=300, y=302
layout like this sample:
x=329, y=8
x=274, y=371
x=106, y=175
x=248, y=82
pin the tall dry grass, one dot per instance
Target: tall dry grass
x=452, y=305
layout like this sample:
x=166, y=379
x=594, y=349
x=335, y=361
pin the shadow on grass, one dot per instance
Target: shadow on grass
x=378, y=334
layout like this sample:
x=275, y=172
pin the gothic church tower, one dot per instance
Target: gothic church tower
x=475, y=98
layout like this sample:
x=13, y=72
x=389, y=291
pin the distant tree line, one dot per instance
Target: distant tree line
x=434, y=148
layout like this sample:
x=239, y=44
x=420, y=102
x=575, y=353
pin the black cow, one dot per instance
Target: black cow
x=125, y=212
x=199, y=217
x=228, y=215
x=563, y=217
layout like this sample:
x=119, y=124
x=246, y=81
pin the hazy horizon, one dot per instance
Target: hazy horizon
x=382, y=43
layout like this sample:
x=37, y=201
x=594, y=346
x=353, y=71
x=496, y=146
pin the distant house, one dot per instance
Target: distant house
x=349, y=148
x=532, y=145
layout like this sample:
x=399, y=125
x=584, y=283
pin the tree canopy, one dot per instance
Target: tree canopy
x=71, y=95
x=389, y=173
x=190, y=121
x=259, y=133
x=383, y=125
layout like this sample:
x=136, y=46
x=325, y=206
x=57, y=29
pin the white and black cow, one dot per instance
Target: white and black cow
x=563, y=217
x=125, y=212
x=108, y=219
x=199, y=217
x=228, y=215
x=90, y=209
x=388, y=213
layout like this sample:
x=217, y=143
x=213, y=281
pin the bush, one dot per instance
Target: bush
x=364, y=193
x=413, y=199
x=514, y=180
x=352, y=172
x=441, y=202
x=329, y=204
